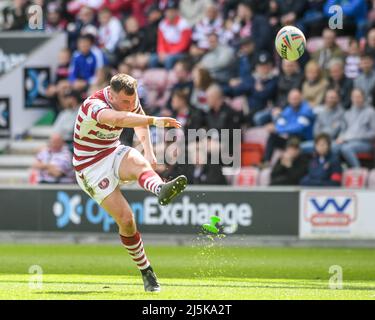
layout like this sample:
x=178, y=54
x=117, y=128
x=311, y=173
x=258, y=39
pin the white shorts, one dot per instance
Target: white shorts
x=101, y=179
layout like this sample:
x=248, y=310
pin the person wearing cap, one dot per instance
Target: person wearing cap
x=245, y=64
x=291, y=167
x=289, y=78
x=174, y=37
x=259, y=87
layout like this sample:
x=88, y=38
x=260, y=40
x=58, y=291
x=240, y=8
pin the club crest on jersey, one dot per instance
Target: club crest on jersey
x=104, y=184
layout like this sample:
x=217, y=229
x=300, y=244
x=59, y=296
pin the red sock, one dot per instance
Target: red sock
x=134, y=245
x=150, y=181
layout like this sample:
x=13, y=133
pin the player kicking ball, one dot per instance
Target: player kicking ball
x=102, y=163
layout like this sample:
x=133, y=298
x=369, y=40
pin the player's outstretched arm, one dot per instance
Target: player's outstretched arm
x=126, y=119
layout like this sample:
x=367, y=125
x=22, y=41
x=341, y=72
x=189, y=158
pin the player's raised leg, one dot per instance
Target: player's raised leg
x=135, y=167
x=117, y=206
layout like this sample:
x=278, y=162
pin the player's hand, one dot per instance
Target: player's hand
x=166, y=122
x=150, y=157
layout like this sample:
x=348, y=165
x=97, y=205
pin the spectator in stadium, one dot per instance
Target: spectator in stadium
x=65, y=121
x=54, y=163
x=85, y=62
x=313, y=19
x=370, y=43
x=249, y=24
x=55, y=22
x=289, y=78
x=328, y=121
x=131, y=42
x=324, y=168
x=198, y=168
x=352, y=60
x=60, y=85
x=290, y=167
x=366, y=79
x=260, y=87
x=201, y=81
x=245, y=61
x=14, y=17
x=354, y=12
x=329, y=51
x=84, y=21
x=138, y=10
x=291, y=11
x=110, y=31
x=183, y=80
x=63, y=60
x=296, y=119
x=338, y=81
x=210, y=23
x=358, y=131
x=189, y=116
x=193, y=10
x=219, y=60
x=220, y=115
x=154, y=16
x=315, y=84
x=174, y=37
x=203, y=171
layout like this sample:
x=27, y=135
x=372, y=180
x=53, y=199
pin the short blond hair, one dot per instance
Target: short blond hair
x=123, y=82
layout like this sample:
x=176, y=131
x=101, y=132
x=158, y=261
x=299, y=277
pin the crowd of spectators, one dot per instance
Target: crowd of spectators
x=319, y=110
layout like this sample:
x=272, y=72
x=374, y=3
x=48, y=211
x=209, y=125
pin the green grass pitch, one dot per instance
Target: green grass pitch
x=196, y=272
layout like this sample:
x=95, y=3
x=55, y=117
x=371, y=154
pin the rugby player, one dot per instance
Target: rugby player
x=102, y=163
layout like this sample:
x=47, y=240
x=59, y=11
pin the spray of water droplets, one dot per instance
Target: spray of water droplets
x=210, y=257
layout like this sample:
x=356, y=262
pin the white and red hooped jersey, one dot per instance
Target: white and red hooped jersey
x=94, y=141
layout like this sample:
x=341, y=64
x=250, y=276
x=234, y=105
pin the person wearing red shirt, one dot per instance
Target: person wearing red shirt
x=174, y=37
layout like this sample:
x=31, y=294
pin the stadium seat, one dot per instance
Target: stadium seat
x=355, y=178
x=16, y=161
x=371, y=179
x=26, y=146
x=265, y=177
x=14, y=176
x=257, y=135
x=366, y=156
x=251, y=154
x=41, y=132
x=248, y=176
